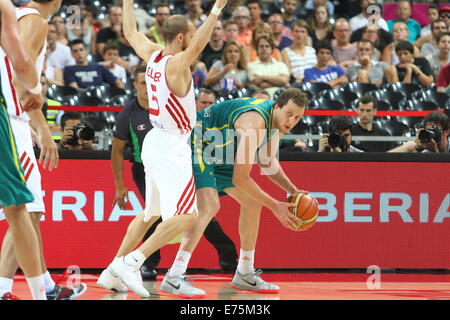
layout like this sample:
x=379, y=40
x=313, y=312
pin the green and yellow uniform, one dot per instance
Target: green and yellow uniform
x=214, y=143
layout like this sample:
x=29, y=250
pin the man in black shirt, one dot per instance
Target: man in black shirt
x=367, y=108
x=214, y=49
x=411, y=69
x=110, y=34
x=132, y=125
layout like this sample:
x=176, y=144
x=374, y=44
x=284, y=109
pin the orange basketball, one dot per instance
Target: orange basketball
x=307, y=209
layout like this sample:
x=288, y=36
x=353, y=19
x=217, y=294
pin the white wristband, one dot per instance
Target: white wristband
x=216, y=11
x=37, y=89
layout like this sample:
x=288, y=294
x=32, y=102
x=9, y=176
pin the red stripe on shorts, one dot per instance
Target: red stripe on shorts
x=185, y=195
x=27, y=162
x=174, y=117
x=29, y=172
x=180, y=116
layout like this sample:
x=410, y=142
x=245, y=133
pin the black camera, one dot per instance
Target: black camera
x=81, y=131
x=433, y=132
x=336, y=139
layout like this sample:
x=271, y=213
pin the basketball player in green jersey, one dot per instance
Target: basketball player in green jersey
x=257, y=125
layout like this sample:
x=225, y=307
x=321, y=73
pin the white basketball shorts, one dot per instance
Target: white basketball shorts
x=169, y=179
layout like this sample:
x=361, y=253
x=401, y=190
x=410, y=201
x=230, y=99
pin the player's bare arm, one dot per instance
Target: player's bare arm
x=143, y=46
x=250, y=126
x=117, y=167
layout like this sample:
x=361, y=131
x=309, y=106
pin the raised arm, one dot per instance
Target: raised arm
x=143, y=46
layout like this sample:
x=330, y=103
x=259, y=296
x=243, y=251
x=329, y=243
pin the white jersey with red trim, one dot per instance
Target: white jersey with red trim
x=168, y=112
x=6, y=71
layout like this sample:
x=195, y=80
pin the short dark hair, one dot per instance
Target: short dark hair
x=297, y=96
x=441, y=35
x=365, y=41
x=264, y=37
x=404, y=46
x=75, y=42
x=206, y=91
x=436, y=21
x=438, y=118
x=433, y=6
x=140, y=69
x=323, y=44
x=368, y=99
x=69, y=115
x=175, y=25
x=339, y=123
x=253, y=1
x=162, y=5
x=110, y=46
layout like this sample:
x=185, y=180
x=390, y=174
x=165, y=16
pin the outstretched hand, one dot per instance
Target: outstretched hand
x=220, y=3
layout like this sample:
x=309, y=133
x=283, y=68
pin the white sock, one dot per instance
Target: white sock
x=6, y=285
x=48, y=281
x=135, y=259
x=180, y=264
x=246, y=261
x=37, y=287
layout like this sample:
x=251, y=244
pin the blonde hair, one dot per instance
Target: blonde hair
x=242, y=63
x=264, y=27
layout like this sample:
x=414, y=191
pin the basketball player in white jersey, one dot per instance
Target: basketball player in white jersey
x=166, y=153
x=33, y=27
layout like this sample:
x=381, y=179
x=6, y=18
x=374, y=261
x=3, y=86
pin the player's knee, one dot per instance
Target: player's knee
x=36, y=218
x=210, y=209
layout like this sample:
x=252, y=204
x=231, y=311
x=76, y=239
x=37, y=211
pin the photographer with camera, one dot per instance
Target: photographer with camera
x=433, y=137
x=76, y=134
x=339, y=138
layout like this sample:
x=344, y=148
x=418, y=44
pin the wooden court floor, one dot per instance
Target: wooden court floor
x=294, y=286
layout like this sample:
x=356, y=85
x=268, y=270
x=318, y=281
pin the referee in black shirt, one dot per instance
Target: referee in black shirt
x=132, y=124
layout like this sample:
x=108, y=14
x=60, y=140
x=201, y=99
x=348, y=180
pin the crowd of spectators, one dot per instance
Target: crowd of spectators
x=262, y=46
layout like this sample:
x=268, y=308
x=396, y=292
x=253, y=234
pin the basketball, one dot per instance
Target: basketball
x=306, y=208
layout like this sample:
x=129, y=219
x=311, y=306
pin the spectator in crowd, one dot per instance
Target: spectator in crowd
x=242, y=17
x=299, y=56
x=261, y=94
x=444, y=14
x=143, y=20
x=366, y=70
x=367, y=110
x=231, y=30
x=320, y=25
x=344, y=52
x=155, y=33
x=311, y=5
x=61, y=31
x=194, y=12
x=110, y=57
x=267, y=73
x=86, y=31
x=431, y=44
x=442, y=57
x=433, y=14
x=84, y=74
x=204, y=99
x=254, y=6
x=199, y=71
x=289, y=12
x=362, y=19
x=323, y=72
x=410, y=69
x=400, y=33
x=230, y=72
x=339, y=128
x=404, y=13
x=214, y=49
x=110, y=33
x=262, y=29
x=281, y=41
x=70, y=122
x=372, y=34
x=443, y=81
x=435, y=122
x=379, y=37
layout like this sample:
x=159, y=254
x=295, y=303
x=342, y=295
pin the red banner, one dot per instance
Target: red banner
x=393, y=215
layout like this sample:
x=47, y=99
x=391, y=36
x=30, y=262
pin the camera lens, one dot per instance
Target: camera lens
x=334, y=140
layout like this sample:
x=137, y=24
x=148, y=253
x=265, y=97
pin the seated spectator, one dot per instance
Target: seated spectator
x=442, y=57
x=344, y=52
x=400, y=33
x=444, y=14
x=204, y=99
x=410, y=69
x=155, y=33
x=112, y=32
x=56, y=58
x=311, y=5
x=379, y=37
x=84, y=74
x=194, y=12
x=433, y=14
x=429, y=45
x=281, y=41
x=199, y=71
x=72, y=139
x=339, y=128
x=110, y=57
x=61, y=31
x=128, y=58
x=262, y=29
x=324, y=72
x=267, y=73
x=254, y=6
x=289, y=13
x=404, y=13
x=366, y=70
x=437, y=123
x=242, y=17
x=320, y=25
x=231, y=30
x=443, y=81
x=367, y=110
x=86, y=31
x=261, y=94
x=228, y=73
x=299, y=56
x=214, y=49
x=362, y=19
